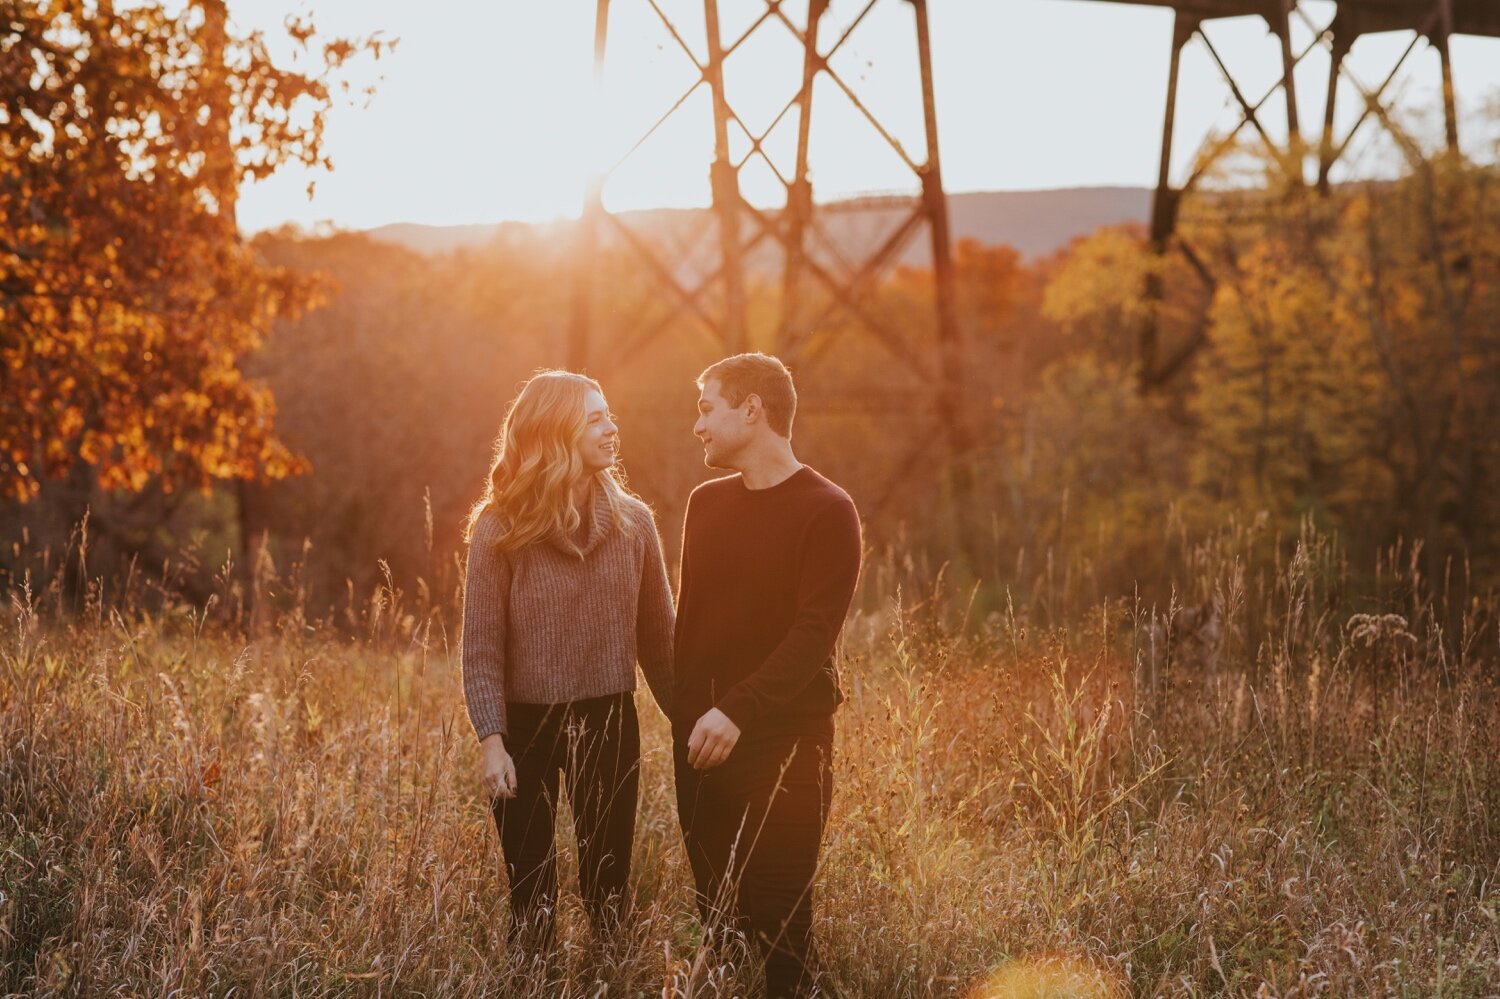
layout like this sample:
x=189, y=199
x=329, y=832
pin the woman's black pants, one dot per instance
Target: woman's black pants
x=596, y=742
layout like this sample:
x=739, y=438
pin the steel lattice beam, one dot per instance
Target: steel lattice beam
x=842, y=284
x=1166, y=202
x=1435, y=20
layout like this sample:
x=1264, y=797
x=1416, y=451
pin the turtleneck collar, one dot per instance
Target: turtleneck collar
x=597, y=523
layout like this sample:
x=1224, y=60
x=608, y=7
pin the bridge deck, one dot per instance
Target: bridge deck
x=1470, y=17
x=1206, y=10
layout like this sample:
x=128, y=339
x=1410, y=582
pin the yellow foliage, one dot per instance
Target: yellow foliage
x=1102, y=277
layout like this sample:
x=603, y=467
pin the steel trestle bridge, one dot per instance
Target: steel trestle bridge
x=815, y=287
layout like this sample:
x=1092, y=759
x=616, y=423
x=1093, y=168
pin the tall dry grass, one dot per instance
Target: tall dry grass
x=1293, y=793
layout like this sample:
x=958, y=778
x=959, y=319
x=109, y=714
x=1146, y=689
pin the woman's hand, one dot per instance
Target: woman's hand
x=497, y=769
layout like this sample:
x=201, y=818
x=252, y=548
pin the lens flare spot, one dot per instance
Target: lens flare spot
x=1048, y=977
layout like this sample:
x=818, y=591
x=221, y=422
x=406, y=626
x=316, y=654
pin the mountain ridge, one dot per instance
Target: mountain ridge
x=1035, y=222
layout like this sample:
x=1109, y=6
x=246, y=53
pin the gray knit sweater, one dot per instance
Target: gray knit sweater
x=565, y=618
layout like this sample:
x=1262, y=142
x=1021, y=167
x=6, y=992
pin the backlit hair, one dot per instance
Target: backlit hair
x=756, y=374
x=536, y=464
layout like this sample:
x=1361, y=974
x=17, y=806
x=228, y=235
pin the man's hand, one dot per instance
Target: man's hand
x=712, y=740
x=497, y=768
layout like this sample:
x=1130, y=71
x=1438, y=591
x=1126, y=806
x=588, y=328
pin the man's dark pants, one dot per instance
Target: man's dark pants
x=753, y=826
x=597, y=744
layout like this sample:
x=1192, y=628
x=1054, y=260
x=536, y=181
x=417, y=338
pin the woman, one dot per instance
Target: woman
x=566, y=589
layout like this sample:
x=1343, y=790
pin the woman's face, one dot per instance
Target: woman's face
x=600, y=443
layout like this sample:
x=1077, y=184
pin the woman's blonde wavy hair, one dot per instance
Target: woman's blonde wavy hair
x=536, y=464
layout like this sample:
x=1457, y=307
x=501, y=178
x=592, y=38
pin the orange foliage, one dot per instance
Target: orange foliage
x=127, y=300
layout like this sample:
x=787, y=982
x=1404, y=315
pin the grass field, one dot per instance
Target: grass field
x=1294, y=793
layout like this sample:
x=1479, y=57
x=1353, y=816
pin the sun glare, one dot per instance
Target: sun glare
x=492, y=113
x=503, y=120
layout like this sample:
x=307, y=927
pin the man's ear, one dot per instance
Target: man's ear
x=754, y=410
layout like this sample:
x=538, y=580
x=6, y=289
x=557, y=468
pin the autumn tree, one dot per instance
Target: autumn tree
x=1355, y=372
x=1289, y=397
x=128, y=301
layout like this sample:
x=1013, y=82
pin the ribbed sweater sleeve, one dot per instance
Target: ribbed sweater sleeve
x=655, y=618
x=486, y=592
x=826, y=577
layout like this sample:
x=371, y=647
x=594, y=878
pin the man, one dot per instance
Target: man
x=770, y=556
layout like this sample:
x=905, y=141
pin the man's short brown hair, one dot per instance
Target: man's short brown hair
x=756, y=374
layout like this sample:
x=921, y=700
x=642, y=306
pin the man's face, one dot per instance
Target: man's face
x=600, y=442
x=722, y=428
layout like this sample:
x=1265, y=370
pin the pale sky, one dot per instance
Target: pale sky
x=485, y=113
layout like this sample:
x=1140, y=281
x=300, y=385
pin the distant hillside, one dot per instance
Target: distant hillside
x=1034, y=222
x=1038, y=222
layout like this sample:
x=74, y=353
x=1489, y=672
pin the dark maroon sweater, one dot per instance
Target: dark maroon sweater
x=767, y=577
